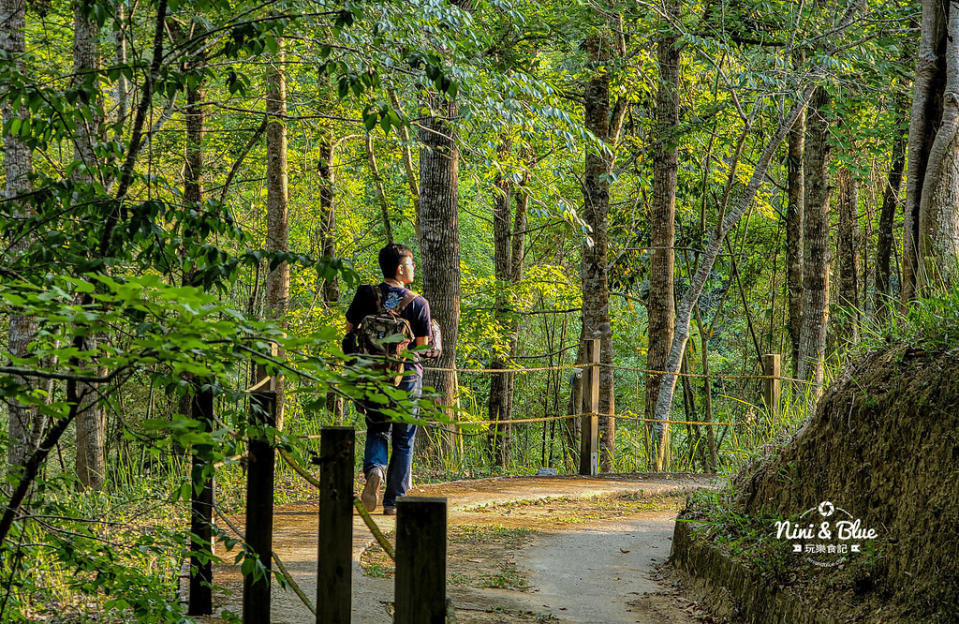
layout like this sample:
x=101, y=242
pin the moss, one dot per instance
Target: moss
x=883, y=445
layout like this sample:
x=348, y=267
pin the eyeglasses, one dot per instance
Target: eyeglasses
x=409, y=263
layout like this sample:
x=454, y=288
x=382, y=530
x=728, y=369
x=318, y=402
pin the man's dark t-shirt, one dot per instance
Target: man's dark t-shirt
x=417, y=312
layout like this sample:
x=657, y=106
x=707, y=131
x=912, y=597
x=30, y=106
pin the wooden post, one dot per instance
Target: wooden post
x=201, y=508
x=772, y=384
x=259, y=508
x=420, y=582
x=335, y=556
x=589, y=423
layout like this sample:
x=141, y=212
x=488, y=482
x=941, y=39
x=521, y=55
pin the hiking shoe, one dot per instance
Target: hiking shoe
x=389, y=511
x=371, y=491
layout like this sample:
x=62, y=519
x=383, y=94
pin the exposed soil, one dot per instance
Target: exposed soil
x=883, y=445
x=540, y=549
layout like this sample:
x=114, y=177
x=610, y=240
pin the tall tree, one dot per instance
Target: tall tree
x=890, y=199
x=925, y=118
x=794, y=232
x=939, y=205
x=440, y=243
x=509, y=231
x=91, y=418
x=326, y=231
x=847, y=246
x=499, y=404
x=662, y=220
x=23, y=422
x=277, y=202
x=815, y=315
x=604, y=122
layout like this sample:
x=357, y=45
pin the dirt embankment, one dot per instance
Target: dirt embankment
x=884, y=445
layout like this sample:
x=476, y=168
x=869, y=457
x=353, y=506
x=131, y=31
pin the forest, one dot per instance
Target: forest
x=193, y=192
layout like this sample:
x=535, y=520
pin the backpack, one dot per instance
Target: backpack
x=385, y=335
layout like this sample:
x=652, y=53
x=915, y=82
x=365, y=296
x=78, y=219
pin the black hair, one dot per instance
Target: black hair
x=390, y=258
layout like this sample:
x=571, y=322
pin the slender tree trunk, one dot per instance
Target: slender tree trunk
x=812, y=343
x=890, y=199
x=499, y=404
x=327, y=229
x=122, y=86
x=517, y=256
x=848, y=247
x=325, y=233
x=406, y=151
x=939, y=206
x=595, y=268
x=663, y=215
x=18, y=166
x=91, y=417
x=794, y=233
x=440, y=245
x=380, y=192
x=925, y=118
x=708, y=260
x=277, y=212
x=509, y=252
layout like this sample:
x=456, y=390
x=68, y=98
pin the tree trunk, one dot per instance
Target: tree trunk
x=440, y=245
x=925, y=118
x=663, y=216
x=380, y=192
x=122, y=86
x=499, y=404
x=684, y=310
x=91, y=417
x=508, y=255
x=277, y=215
x=848, y=247
x=890, y=198
x=794, y=233
x=327, y=230
x=18, y=166
x=595, y=268
x=812, y=343
x=939, y=206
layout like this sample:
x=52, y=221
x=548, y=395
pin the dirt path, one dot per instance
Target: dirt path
x=572, y=570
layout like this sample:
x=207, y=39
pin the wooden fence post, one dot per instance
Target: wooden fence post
x=259, y=508
x=589, y=423
x=420, y=582
x=201, y=508
x=772, y=384
x=335, y=557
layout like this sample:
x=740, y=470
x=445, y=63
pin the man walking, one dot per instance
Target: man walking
x=396, y=263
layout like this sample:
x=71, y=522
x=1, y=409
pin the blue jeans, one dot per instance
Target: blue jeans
x=379, y=435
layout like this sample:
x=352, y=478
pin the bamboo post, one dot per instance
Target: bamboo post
x=334, y=557
x=201, y=508
x=589, y=423
x=772, y=384
x=259, y=508
x=420, y=582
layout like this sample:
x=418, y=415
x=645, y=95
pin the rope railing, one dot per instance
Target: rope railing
x=648, y=371
x=533, y=369
x=601, y=415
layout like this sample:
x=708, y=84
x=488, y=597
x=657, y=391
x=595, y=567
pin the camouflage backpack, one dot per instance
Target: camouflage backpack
x=386, y=335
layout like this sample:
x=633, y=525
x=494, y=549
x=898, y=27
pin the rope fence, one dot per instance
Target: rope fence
x=518, y=421
x=632, y=369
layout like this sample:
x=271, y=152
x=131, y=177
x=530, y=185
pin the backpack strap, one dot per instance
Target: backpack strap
x=381, y=293
x=405, y=301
